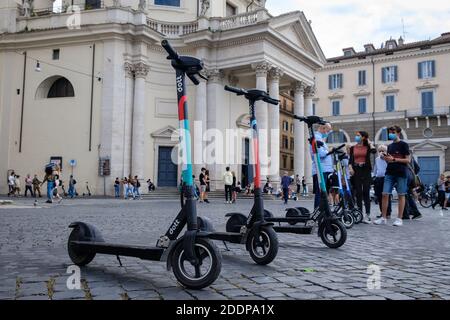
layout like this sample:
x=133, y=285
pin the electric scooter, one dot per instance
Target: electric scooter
x=347, y=212
x=257, y=234
x=330, y=229
x=195, y=260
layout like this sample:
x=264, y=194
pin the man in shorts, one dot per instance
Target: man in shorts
x=398, y=157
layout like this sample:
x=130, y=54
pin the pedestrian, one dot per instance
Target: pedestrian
x=57, y=183
x=410, y=203
x=137, y=188
x=208, y=187
x=397, y=157
x=50, y=179
x=36, y=186
x=268, y=188
x=202, y=181
x=150, y=185
x=11, y=185
x=326, y=161
x=72, y=183
x=334, y=190
x=125, y=188
x=304, y=187
x=131, y=186
x=228, y=182
x=441, y=192
x=233, y=187
x=117, y=188
x=17, y=186
x=28, y=185
x=360, y=168
x=298, y=182
x=285, y=183
x=447, y=193
x=379, y=172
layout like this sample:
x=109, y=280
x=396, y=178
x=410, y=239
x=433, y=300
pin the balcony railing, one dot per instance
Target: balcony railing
x=213, y=24
x=436, y=111
x=172, y=30
x=38, y=12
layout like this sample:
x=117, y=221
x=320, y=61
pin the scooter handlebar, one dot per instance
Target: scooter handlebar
x=271, y=101
x=173, y=55
x=238, y=91
x=334, y=150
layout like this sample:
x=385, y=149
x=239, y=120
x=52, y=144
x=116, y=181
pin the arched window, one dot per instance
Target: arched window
x=61, y=88
x=337, y=137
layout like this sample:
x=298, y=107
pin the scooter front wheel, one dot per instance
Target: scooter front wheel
x=357, y=214
x=334, y=235
x=263, y=248
x=202, y=274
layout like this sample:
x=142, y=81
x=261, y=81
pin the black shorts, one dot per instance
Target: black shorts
x=333, y=180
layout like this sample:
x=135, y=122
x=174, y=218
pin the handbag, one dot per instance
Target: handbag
x=415, y=181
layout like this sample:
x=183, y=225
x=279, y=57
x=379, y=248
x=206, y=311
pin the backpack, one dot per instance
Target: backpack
x=74, y=182
x=228, y=178
x=49, y=168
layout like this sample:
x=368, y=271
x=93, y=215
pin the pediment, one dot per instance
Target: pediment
x=295, y=28
x=165, y=132
x=429, y=145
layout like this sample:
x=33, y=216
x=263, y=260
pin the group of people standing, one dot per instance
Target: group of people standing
x=393, y=168
x=131, y=187
x=33, y=185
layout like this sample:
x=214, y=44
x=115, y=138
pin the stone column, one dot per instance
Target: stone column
x=214, y=103
x=274, y=126
x=200, y=121
x=128, y=118
x=309, y=94
x=299, y=129
x=261, y=113
x=140, y=72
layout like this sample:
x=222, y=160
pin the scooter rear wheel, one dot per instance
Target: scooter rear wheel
x=197, y=276
x=334, y=235
x=357, y=214
x=347, y=219
x=263, y=248
x=78, y=257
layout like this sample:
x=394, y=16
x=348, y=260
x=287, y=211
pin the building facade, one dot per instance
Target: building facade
x=401, y=83
x=286, y=133
x=90, y=87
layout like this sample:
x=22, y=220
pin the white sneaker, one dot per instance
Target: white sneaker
x=380, y=221
x=398, y=222
x=367, y=220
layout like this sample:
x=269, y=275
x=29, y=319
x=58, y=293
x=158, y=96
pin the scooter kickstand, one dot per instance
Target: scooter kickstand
x=120, y=262
x=226, y=246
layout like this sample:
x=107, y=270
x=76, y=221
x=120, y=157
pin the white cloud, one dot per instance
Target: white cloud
x=352, y=23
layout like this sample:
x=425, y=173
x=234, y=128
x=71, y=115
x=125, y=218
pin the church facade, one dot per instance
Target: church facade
x=89, y=86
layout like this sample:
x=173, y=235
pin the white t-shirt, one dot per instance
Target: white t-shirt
x=11, y=180
x=228, y=178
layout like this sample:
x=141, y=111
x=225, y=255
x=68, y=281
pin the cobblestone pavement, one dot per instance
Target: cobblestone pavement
x=414, y=259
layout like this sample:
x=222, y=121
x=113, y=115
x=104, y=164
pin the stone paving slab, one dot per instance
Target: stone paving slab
x=414, y=260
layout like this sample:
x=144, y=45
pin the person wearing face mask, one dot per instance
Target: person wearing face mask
x=397, y=157
x=326, y=160
x=361, y=169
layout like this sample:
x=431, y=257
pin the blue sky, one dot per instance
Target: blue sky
x=340, y=24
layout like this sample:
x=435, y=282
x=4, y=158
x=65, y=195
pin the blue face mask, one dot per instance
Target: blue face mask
x=358, y=139
x=392, y=136
x=325, y=135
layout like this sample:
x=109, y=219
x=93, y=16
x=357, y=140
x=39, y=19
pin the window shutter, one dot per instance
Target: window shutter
x=330, y=82
x=395, y=73
x=383, y=75
x=433, y=68
x=420, y=67
x=341, y=80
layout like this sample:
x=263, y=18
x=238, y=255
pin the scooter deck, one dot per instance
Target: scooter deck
x=291, y=219
x=293, y=229
x=145, y=253
x=226, y=236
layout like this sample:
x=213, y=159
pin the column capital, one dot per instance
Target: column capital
x=276, y=73
x=299, y=87
x=141, y=70
x=310, y=91
x=261, y=68
x=129, y=69
x=214, y=75
x=233, y=80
